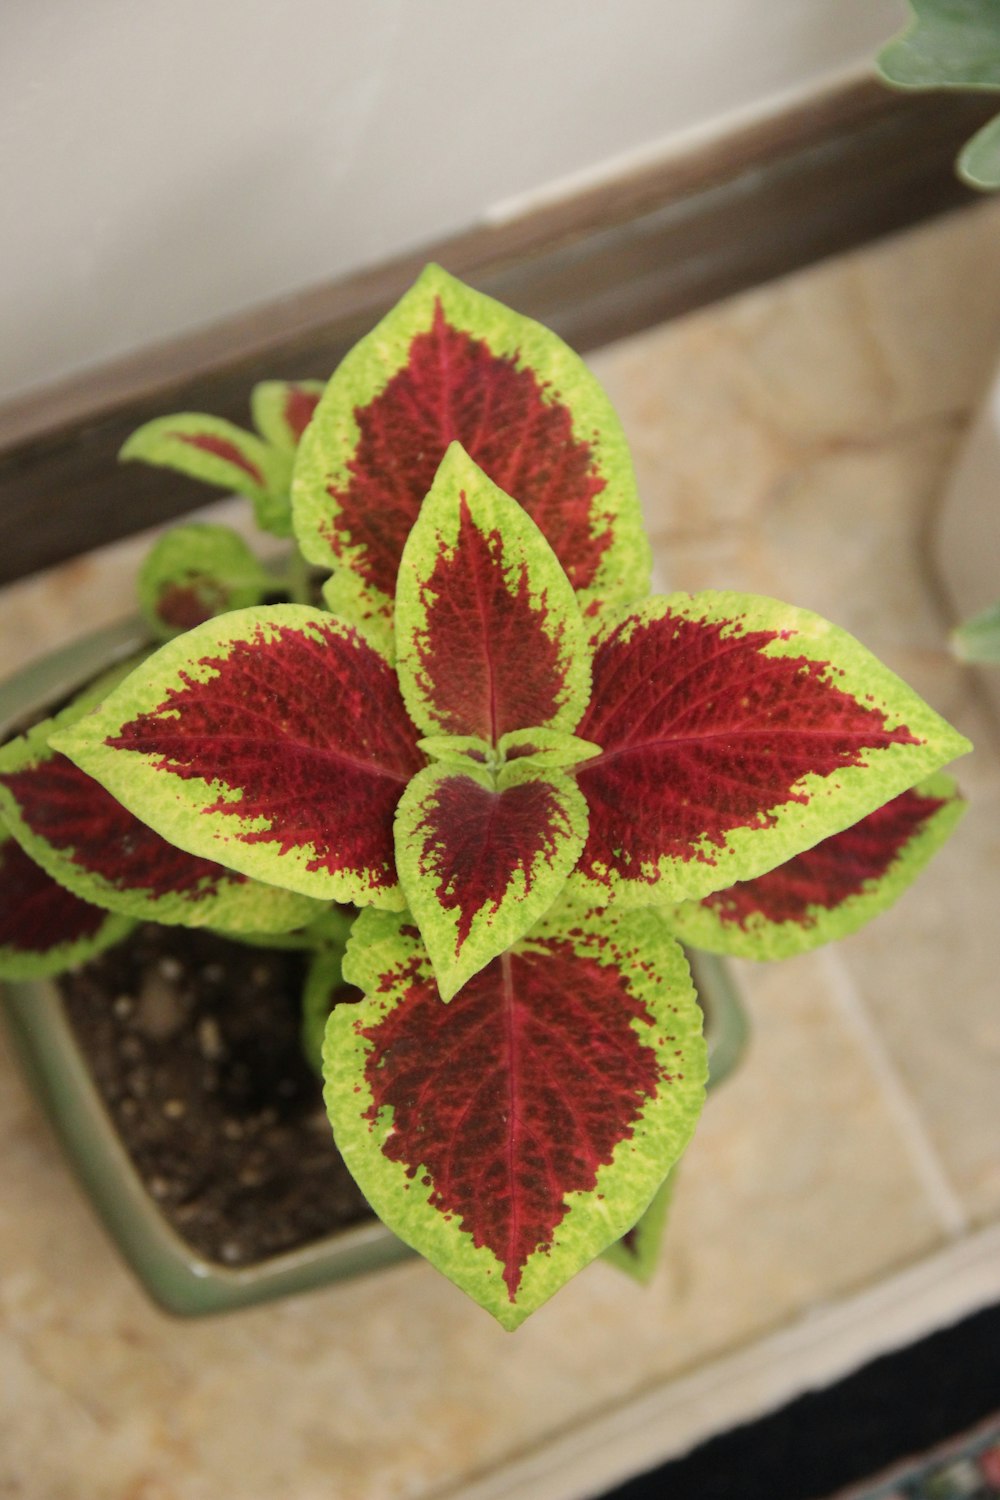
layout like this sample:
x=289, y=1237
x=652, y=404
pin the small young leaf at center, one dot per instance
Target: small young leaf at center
x=480, y=864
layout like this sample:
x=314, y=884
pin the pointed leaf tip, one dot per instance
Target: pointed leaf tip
x=479, y=865
x=273, y=740
x=736, y=732
x=448, y=364
x=512, y=1135
x=489, y=638
x=832, y=889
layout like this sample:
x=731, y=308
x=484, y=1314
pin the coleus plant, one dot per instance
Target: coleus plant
x=528, y=777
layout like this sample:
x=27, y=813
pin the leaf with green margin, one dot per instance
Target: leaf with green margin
x=76, y=831
x=273, y=740
x=44, y=928
x=978, y=639
x=219, y=453
x=448, y=364
x=489, y=637
x=512, y=1135
x=832, y=889
x=948, y=44
x=282, y=410
x=737, y=731
x=637, y=1253
x=196, y=571
x=480, y=863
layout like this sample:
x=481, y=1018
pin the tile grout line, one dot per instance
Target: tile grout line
x=924, y=1157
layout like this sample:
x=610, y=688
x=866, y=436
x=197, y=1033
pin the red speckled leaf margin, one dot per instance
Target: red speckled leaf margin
x=737, y=731
x=512, y=1135
x=489, y=638
x=45, y=929
x=273, y=740
x=831, y=889
x=220, y=453
x=450, y=365
x=87, y=841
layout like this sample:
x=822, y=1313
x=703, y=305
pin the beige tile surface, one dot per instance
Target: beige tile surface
x=792, y=441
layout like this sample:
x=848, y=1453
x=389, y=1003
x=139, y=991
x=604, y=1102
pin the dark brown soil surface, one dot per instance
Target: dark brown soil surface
x=194, y=1045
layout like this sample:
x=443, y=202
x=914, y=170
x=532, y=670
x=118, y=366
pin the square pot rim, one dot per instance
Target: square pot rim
x=176, y=1276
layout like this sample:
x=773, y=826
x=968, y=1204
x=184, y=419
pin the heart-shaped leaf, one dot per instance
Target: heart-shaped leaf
x=736, y=732
x=450, y=365
x=479, y=862
x=273, y=740
x=512, y=1135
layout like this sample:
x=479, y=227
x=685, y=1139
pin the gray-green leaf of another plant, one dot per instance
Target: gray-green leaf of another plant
x=953, y=44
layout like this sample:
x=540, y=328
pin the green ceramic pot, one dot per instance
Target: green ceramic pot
x=175, y=1275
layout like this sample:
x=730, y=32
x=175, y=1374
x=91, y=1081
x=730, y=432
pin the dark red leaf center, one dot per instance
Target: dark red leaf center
x=832, y=871
x=454, y=388
x=514, y=1094
x=37, y=913
x=73, y=812
x=219, y=447
x=703, y=734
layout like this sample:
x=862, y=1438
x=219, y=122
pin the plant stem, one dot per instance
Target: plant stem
x=298, y=578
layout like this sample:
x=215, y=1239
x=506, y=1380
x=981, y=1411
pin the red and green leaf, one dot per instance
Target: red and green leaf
x=195, y=572
x=512, y=1135
x=44, y=928
x=737, y=732
x=637, y=1253
x=450, y=365
x=272, y=740
x=482, y=858
x=219, y=453
x=832, y=889
x=283, y=409
x=489, y=638
x=85, y=839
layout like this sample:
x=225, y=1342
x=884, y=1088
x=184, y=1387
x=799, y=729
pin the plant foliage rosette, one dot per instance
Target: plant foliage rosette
x=530, y=779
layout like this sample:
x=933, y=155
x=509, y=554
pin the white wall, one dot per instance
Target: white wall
x=165, y=162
